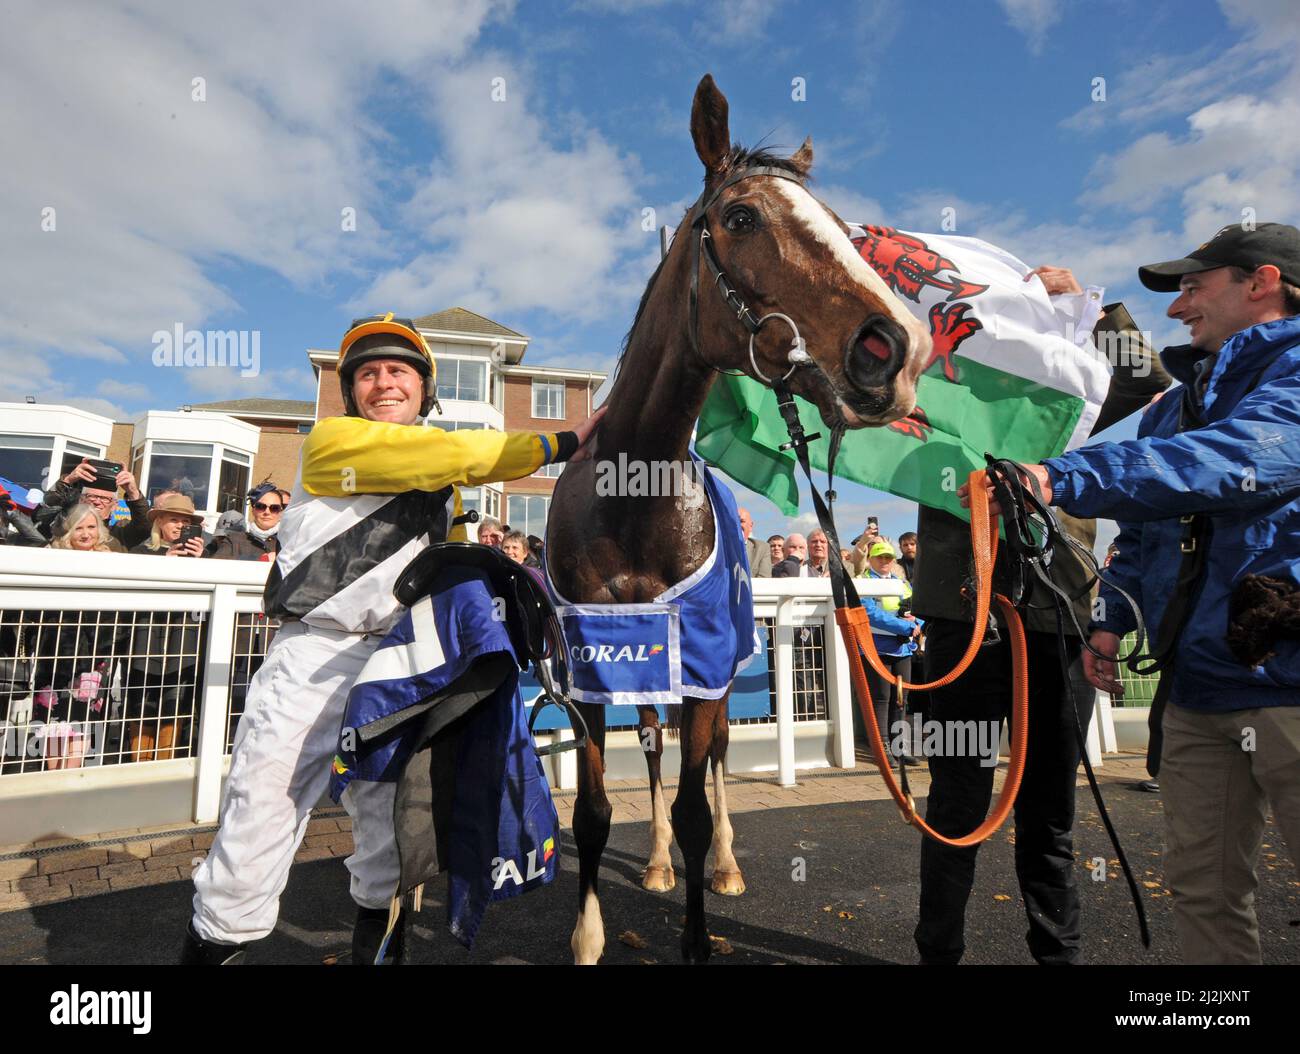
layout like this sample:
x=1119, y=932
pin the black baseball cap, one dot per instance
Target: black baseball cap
x=1233, y=246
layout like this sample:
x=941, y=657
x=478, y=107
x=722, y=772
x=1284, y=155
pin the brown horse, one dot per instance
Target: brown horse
x=771, y=247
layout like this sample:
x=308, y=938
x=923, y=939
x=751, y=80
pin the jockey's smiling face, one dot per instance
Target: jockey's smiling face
x=388, y=390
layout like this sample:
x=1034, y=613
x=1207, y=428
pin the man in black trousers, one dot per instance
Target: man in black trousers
x=962, y=786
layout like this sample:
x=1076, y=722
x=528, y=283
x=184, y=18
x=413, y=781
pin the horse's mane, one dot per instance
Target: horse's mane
x=741, y=157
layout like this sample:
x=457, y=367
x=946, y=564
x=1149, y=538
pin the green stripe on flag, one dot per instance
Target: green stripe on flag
x=740, y=431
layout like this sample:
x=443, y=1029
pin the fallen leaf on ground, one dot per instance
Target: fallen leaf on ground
x=631, y=939
x=722, y=946
x=846, y=914
x=330, y=960
x=1151, y=885
x=1000, y=896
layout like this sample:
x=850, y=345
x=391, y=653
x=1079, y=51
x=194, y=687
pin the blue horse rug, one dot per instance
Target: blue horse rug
x=690, y=640
x=437, y=710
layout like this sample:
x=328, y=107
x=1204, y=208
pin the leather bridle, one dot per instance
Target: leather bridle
x=703, y=252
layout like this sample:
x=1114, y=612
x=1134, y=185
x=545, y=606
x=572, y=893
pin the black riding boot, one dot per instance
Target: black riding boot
x=198, y=952
x=368, y=935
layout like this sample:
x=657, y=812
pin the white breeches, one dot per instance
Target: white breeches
x=283, y=750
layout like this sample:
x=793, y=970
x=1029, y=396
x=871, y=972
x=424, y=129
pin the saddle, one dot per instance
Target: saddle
x=530, y=617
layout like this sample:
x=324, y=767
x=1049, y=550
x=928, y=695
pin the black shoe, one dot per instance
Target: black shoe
x=907, y=759
x=1150, y=786
x=198, y=952
x=368, y=935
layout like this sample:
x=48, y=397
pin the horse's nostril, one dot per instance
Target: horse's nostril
x=876, y=353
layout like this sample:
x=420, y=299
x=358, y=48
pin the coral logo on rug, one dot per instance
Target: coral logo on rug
x=608, y=653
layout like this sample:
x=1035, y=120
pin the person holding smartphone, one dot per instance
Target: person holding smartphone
x=96, y=483
x=175, y=528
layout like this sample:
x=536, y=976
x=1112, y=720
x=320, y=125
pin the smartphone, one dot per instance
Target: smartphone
x=105, y=473
x=873, y=522
x=193, y=530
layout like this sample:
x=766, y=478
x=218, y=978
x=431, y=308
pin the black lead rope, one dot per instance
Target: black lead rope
x=1009, y=485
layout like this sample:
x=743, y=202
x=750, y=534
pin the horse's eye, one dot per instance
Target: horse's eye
x=739, y=220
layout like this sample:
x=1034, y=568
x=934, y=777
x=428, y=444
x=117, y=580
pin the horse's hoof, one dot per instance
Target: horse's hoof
x=728, y=883
x=658, y=879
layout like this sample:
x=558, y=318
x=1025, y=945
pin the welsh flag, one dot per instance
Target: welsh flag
x=1013, y=372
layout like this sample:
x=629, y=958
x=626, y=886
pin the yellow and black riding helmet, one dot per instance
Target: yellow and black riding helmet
x=385, y=337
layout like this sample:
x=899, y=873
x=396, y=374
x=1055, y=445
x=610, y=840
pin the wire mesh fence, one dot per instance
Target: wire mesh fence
x=1138, y=690
x=94, y=687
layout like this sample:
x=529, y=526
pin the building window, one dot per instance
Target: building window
x=484, y=500
x=304, y=428
x=548, y=399
x=232, y=484
x=74, y=452
x=550, y=471
x=184, y=467
x=527, y=513
x=462, y=379
x=26, y=459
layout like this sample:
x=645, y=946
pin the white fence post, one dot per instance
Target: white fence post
x=211, y=746
x=839, y=694
x=785, y=692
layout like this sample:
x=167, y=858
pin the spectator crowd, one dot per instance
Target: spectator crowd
x=125, y=683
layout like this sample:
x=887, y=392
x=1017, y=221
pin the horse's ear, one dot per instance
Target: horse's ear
x=803, y=157
x=709, y=125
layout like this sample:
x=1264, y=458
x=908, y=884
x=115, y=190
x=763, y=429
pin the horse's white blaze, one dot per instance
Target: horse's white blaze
x=723, y=860
x=588, y=940
x=810, y=212
x=661, y=828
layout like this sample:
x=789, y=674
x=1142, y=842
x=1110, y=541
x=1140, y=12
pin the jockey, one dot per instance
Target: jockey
x=374, y=488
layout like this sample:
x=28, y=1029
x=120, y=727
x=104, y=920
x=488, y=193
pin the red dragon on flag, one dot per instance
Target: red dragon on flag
x=908, y=265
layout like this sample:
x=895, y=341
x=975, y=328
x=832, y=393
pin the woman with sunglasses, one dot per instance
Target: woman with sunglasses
x=258, y=539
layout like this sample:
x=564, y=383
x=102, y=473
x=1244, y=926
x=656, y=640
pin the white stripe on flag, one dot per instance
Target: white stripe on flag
x=423, y=654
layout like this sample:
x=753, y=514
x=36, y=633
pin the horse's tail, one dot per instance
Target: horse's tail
x=673, y=723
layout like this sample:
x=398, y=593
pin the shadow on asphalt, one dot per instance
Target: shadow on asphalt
x=826, y=884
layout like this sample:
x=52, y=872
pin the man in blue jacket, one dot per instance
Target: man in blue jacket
x=1207, y=494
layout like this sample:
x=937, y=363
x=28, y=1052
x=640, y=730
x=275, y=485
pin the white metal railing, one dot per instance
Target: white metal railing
x=99, y=795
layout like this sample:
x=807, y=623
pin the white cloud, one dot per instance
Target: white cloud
x=152, y=188
x=1033, y=18
x=215, y=383
x=519, y=215
x=1241, y=152
x=849, y=205
x=113, y=389
x=738, y=19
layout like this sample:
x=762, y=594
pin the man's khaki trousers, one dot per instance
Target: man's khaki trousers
x=1218, y=775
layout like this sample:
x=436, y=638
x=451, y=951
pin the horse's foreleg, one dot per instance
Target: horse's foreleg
x=727, y=879
x=591, y=816
x=692, y=823
x=658, y=875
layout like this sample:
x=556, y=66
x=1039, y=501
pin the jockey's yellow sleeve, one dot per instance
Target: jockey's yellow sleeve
x=350, y=455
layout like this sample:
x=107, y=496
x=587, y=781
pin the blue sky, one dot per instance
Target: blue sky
x=226, y=212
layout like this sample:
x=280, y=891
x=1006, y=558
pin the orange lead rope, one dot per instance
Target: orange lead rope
x=855, y=629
